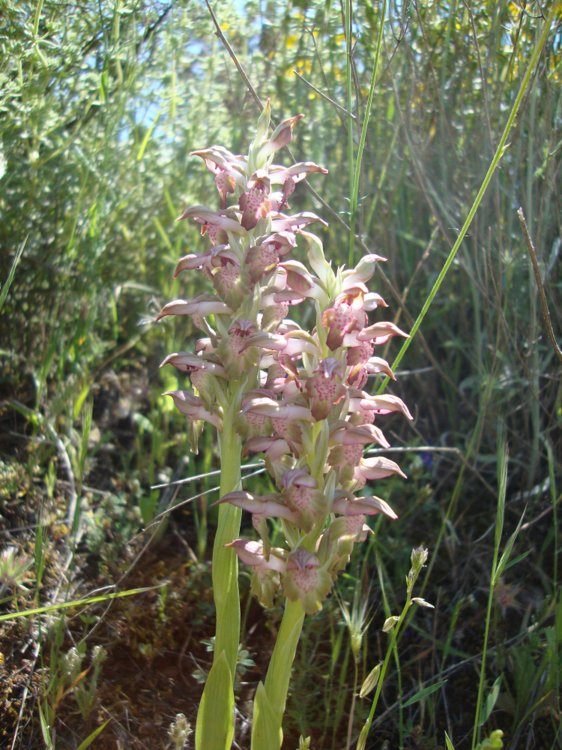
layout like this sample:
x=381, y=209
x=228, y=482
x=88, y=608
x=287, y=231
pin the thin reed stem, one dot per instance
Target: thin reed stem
x=357, y=174
x=349, y=49
x=502, y=475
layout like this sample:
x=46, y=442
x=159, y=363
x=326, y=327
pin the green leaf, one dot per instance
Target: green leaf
x=266, y=728
x=424, y=693
x=282, y=666
x=39, y=556
x=88, y=741
x=507, y=552
x=215, y=719
x=490, y=702
x=81, y=398
x=147, y=135
x=448, y=742
x=45, y=729
x=8, y=284
x=87, y=426
x=517, y=559
x=502, y=482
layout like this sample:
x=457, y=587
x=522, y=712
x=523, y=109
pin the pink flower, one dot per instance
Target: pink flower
x=267, y=568
x=379, y=333
x=254, y=203
x=345, y=433
x=379, y=467
x=190, y=363
x=282, y=135
x=288, y=177
x=266, y=506
x=362, y=271
x=234, y=353
x=306, y=580
x=348, y=505
x=377, y=404
x=229, y=279
x=324, y=390
x=303, y=497
x=264, y=256
x=282, y=223
x=193, y=407
x=203, y=304
x=283, y=410
x=224, y=220
x=340, y=319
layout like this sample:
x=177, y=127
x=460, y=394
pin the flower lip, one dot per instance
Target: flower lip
x=252, y=553
x=281, y=222
x=187, y=362
x=381, y=332
x=378, y=467
x=302, y=559
x=299, y=478
x=203, y=304
x=222, y=218
x=277, y=409
x=298, y=172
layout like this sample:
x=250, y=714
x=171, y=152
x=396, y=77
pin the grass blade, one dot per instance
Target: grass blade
x=8, y=284
x=88, y=741
x=490, y=701
x=75, y=603
x=424, y=693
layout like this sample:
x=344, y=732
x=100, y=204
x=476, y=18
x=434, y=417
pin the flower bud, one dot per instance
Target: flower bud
x=370, y=681
x=422, y=602
x=389, y=623
x=362, y=741
x=419, y=559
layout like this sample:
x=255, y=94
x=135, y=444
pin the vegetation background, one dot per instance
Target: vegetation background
x=100, y=105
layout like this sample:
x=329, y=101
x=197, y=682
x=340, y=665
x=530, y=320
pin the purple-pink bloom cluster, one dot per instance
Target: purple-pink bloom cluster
x=299, y=397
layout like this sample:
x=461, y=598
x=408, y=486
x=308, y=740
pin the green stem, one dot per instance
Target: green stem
x=390, y=650
x=357, y=175
x=352, y=710
x=225, y=561
x=502, y=482
x=279, y=670
x=495, y=161
x=349, y=40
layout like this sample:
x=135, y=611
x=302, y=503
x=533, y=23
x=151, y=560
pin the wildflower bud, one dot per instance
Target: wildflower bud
x=419, y=559
x=71, y=664
x=179, y=731
x=282, y=134
x=389, y=623
x=362, y=741
x=99, y=655
x=422, y=602
x=370, y=681
x=263, y=123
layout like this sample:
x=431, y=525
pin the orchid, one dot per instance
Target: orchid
x=270, y=387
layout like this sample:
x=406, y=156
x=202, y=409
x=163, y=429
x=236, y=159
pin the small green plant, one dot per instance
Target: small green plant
x=13, y=569
x=84, y=690
x=179, y=732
